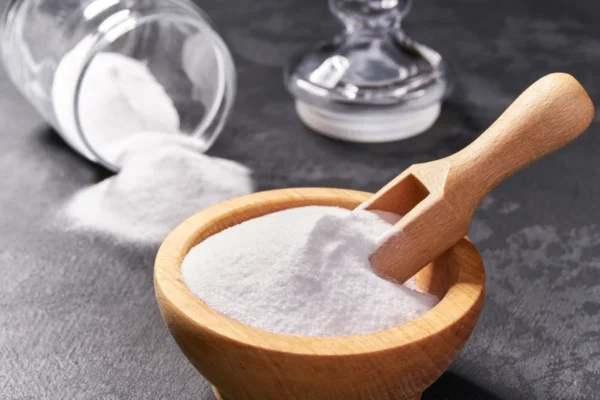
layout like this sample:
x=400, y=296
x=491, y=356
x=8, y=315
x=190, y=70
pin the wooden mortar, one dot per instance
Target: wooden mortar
x=246, y=363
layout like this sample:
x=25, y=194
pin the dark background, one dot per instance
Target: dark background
x=78, y=318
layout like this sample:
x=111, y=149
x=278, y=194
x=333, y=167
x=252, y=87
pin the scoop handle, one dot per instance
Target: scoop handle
x=549, y=114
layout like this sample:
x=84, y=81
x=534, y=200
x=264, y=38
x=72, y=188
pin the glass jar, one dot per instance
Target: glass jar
x=160, y=58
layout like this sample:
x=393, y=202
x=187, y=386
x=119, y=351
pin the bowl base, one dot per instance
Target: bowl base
x=219, y=396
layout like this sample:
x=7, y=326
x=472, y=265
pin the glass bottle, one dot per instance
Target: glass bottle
x=52, y=47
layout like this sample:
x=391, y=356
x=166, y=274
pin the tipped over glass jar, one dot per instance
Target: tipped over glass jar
x=100, y=71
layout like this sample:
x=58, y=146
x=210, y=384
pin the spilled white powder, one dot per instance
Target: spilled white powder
x=164, y=179
x=302, y=271
x=129, y=118
x=119, y=97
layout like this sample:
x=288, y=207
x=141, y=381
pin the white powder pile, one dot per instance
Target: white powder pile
x=302, y=271
x=130, y=98
x=119, y=97
x=129, y=118
x=164, y=179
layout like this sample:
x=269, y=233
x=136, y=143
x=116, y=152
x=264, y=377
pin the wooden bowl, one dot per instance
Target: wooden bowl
x=246, y=363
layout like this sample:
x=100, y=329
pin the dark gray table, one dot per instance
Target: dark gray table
x=78, y=317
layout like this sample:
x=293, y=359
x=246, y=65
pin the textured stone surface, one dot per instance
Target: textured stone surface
x=78, y=317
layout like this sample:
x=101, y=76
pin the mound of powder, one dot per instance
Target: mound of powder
x=119, y=97
x=303, y=271
x=163, y=180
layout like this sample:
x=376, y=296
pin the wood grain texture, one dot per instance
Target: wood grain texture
x=219, y=396
x=438, y=198
x=250, y=364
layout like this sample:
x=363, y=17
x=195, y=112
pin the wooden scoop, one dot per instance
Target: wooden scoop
x=438, y=198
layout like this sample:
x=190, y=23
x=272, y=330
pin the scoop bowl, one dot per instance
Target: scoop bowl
x=246, y=363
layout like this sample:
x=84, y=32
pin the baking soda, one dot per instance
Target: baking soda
x=163, y=180
x=129, y=118
x=303, y=271
x=119, y=97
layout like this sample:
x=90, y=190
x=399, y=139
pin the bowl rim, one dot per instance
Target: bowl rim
x=463, y=296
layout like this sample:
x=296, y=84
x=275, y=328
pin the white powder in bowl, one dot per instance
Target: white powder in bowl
x=302, y=271
x=163, y=180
